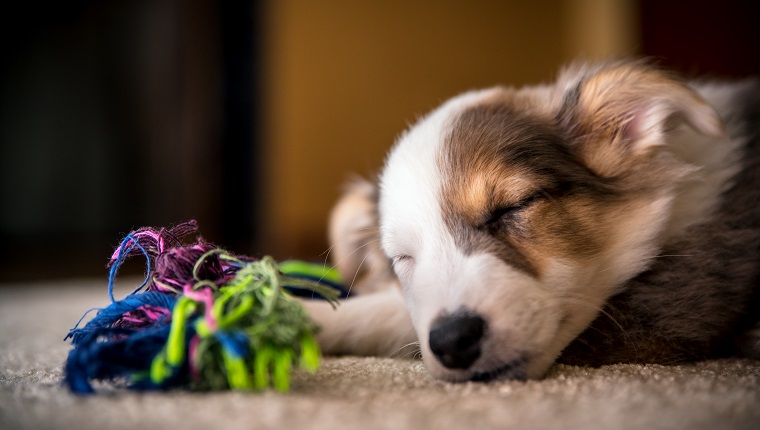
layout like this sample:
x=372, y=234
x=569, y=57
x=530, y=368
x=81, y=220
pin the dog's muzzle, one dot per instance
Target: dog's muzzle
x=455, y=339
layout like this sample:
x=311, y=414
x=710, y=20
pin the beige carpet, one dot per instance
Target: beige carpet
x=357, y=393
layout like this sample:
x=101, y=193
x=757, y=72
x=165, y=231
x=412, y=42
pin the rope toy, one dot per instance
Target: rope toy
x=203, y=318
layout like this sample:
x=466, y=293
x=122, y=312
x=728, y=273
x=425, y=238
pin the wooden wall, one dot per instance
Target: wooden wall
x=344, y=78
x=247, y=116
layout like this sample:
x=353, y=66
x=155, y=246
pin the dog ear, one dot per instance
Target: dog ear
x=616, y=112
x=354, y=236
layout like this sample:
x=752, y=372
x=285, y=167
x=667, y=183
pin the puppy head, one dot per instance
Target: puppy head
x=510, y=216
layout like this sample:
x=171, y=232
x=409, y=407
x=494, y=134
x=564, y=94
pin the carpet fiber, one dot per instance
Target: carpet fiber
x=354, y=392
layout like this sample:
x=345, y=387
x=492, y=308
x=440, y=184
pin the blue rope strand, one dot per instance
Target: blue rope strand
x=108, y=316
x=76, y=326
x=124, y=249
x=125, y=352
x=235, y=342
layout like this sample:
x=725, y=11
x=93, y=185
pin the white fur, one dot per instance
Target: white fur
x=373, y=324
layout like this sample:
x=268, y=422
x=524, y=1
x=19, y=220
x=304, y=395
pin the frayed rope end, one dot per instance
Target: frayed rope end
x=204, y=318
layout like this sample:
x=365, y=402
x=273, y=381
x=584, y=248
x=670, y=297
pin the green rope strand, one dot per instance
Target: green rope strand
x=253, y=306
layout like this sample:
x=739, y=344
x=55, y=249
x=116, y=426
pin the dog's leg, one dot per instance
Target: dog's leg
x=370, y=324
x=355, y=240
x=374, y=319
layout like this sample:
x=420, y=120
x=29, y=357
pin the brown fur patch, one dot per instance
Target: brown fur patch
x=702, y=294
x=617, y=112
x=355, y=237
x=514, y=188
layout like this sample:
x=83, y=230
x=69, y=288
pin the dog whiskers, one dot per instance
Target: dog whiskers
x=357, y=249
x=584, y=301
x=416, y=352
x=356, y=274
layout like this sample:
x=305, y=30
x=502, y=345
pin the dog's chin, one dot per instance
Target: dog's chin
x=518, y=369
x=514, y=370
x=515, y=365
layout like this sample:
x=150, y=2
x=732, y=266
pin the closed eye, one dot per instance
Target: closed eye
x=506, y=213
x=399, y=258
x=402, y=264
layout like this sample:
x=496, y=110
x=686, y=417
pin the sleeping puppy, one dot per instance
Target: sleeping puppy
x=613, y=216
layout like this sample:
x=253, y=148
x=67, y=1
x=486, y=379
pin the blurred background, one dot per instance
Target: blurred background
x=248, y=116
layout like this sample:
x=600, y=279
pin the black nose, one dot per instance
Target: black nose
x=455, y=339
